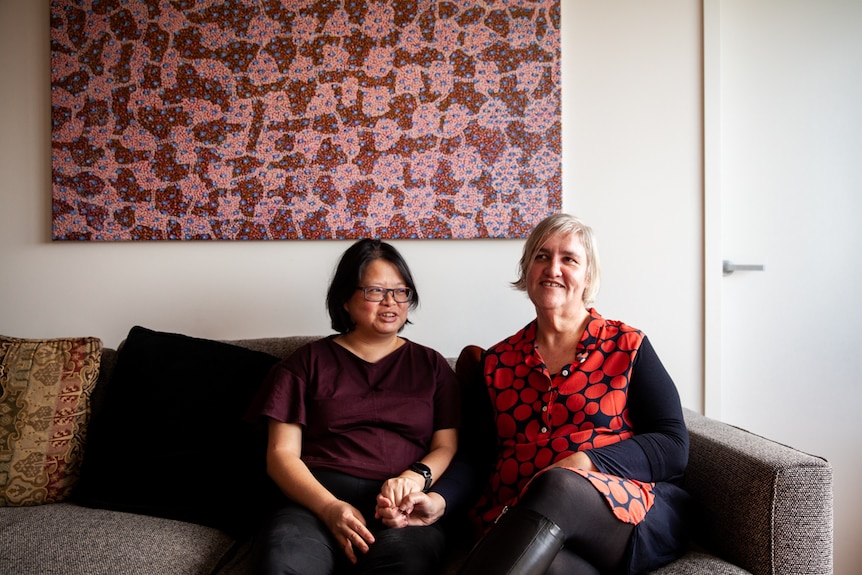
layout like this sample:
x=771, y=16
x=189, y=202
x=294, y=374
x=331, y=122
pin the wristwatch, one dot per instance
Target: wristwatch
x=422, y=470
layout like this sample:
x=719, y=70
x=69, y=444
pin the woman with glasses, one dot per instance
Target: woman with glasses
x=357, y=421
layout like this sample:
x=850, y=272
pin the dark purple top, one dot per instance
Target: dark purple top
x=369, y=420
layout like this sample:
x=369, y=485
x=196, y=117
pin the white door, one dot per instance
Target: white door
x=784, y=189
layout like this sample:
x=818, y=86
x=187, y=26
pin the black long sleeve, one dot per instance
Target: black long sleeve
x=659, y=449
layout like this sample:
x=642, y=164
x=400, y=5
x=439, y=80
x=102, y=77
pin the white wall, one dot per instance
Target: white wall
x=631, y=147
x=632, y=166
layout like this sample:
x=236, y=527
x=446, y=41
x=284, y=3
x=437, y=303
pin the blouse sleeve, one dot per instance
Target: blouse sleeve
x=659, y=449
x=282, y=394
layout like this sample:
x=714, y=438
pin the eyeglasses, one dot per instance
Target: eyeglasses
x=378, y=294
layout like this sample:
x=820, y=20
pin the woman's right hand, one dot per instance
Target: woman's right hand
x=284, y=464
x=348, y=527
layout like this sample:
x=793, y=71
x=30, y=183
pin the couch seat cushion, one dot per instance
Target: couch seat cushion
x=66, y=539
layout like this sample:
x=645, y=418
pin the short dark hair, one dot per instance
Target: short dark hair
x=348, y=275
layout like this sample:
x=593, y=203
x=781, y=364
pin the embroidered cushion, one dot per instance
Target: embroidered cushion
x=45, y=387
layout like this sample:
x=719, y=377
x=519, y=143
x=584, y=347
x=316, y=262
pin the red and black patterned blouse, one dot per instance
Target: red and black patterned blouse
x=615, y=401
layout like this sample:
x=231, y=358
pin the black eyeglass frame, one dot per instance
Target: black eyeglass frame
x=406, y=291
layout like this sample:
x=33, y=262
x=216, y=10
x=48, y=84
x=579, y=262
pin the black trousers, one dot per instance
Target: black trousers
x=295, y=541
x=596, y=541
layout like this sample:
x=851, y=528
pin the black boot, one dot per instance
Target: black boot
x=523, y=542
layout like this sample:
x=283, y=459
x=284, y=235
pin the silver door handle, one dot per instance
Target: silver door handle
x=728, y=267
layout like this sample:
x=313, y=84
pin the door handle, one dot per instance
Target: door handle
x=728, y=267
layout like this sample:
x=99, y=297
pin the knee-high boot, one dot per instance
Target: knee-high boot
x=523, y=542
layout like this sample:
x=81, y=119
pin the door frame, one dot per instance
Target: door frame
x=712, y=256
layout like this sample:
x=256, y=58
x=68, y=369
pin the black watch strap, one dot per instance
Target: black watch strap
x=424, y=471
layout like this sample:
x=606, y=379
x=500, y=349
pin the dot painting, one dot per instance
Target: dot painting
x=304, y=119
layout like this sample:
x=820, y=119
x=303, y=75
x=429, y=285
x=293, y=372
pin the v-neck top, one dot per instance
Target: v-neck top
x=369, y=420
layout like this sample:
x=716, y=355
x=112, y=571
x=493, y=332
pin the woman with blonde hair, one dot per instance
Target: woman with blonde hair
x=591, y=442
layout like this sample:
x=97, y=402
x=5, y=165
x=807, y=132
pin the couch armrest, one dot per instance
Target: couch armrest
x=765, y=507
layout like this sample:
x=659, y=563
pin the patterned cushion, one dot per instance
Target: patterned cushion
x=45, y=387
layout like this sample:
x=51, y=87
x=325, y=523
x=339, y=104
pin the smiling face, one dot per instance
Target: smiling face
x=557, y=276
x=374, y=319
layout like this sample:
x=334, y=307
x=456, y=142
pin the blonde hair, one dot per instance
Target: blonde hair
x=561, y=224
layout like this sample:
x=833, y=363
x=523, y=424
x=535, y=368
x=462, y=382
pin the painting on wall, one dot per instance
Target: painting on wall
x=304, y=119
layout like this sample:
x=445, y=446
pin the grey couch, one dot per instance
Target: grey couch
x=765, y=509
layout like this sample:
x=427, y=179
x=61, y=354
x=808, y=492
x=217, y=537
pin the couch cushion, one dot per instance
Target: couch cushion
x=169, y=440
x=66, y=539
x=45, y=386
x=700, y=563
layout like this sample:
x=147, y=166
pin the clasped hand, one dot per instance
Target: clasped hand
x=402, y=502
x=413, y=507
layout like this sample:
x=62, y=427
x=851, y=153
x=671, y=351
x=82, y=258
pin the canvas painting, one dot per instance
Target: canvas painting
x=290, y=120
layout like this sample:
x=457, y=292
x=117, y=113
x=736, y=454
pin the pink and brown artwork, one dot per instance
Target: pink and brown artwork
x=301, y=119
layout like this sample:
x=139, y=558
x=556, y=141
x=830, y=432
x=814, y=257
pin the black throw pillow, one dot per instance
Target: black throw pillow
x=170, y=440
